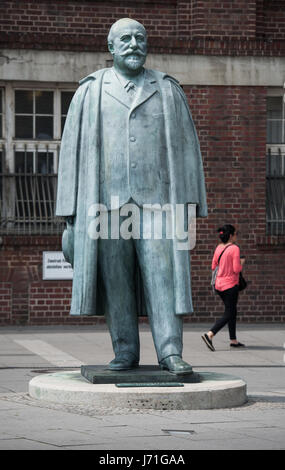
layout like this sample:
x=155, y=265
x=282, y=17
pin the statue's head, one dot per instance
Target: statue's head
x=127, y=42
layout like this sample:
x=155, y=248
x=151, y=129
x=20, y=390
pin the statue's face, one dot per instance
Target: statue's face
x=129, y=47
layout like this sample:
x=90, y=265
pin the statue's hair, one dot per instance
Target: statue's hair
x=118, y=23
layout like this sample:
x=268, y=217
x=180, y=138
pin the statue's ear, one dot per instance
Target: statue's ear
x=111, y=47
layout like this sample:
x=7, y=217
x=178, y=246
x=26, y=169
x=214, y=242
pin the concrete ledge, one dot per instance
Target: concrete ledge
x=214, y=391
x=211, y=70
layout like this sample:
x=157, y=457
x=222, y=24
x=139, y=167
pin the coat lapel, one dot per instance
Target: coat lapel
x=148, y=89
x=113, y=88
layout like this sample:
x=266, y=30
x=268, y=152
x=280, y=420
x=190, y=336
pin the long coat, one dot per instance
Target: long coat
x=78, y=185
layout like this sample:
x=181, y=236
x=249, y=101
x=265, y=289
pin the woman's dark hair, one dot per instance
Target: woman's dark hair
x=225, y=232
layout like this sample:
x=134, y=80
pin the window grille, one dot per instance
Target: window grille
x=275, y=191
x=29, y=160
x=29, y=194
x=275, y=166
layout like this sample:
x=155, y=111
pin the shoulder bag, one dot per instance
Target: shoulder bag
x=242, y=282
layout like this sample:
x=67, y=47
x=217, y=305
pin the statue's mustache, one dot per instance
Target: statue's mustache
x=131, y=52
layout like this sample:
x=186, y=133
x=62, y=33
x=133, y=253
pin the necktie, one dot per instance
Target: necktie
x=131, y=88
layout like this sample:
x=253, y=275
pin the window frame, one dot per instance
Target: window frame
x=34, y=114
x=9, y=141
x=276, y=150
x=9, y=144
x=278, y=94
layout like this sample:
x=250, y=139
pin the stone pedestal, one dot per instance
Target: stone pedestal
x=213, y=391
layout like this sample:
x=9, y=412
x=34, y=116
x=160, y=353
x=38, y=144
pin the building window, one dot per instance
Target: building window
x=34, y=162
x=29, y=157
x=275, y=120
x=34, y=114
x=275, y=165
x=1, y=145
x=35, y=187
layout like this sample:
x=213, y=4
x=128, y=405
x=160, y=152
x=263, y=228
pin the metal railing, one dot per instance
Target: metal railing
x=275, y=191
x=28, y=194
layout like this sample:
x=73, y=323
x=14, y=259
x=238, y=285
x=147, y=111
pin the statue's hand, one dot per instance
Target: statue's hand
x=69, y=220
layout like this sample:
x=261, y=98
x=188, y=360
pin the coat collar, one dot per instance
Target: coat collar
x=115, y=89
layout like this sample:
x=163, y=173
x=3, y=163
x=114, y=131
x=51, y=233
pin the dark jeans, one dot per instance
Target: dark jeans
x=230, y=299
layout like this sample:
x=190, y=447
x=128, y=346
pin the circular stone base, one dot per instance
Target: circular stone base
x=214, y=391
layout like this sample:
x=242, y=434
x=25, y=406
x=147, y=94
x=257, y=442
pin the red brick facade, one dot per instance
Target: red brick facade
x=225, y=18
x=270, y=20
x=231, y=124
x=174, y=26
x=171, y=18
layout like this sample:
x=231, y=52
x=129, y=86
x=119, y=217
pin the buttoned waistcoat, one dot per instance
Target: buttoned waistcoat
x=133, y=161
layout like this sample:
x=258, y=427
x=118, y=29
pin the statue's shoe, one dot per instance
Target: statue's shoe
x=123, y=363
x=176, y=365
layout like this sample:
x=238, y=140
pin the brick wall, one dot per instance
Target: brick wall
x=5, y=302
x=87, y=17
x=25, y=298
x=21, y=276
x=271, y=19
x=225, y=18
x=171, y=18
x=174, y=26
x=49, y=301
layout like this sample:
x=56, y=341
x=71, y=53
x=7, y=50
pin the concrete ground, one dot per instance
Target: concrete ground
x=27, y=423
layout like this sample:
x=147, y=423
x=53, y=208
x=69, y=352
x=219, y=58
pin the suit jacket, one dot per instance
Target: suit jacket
x=79, y=180
x=133, y=146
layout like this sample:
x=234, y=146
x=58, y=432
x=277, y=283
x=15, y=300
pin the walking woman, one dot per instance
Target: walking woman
x=230, y=265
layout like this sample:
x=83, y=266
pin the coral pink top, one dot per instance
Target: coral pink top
x=229, y=266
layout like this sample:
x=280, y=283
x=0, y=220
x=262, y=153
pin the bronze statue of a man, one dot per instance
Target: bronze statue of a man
x=129, y=139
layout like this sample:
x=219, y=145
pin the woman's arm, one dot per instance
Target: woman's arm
x=214, y=261
x=237, y=265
